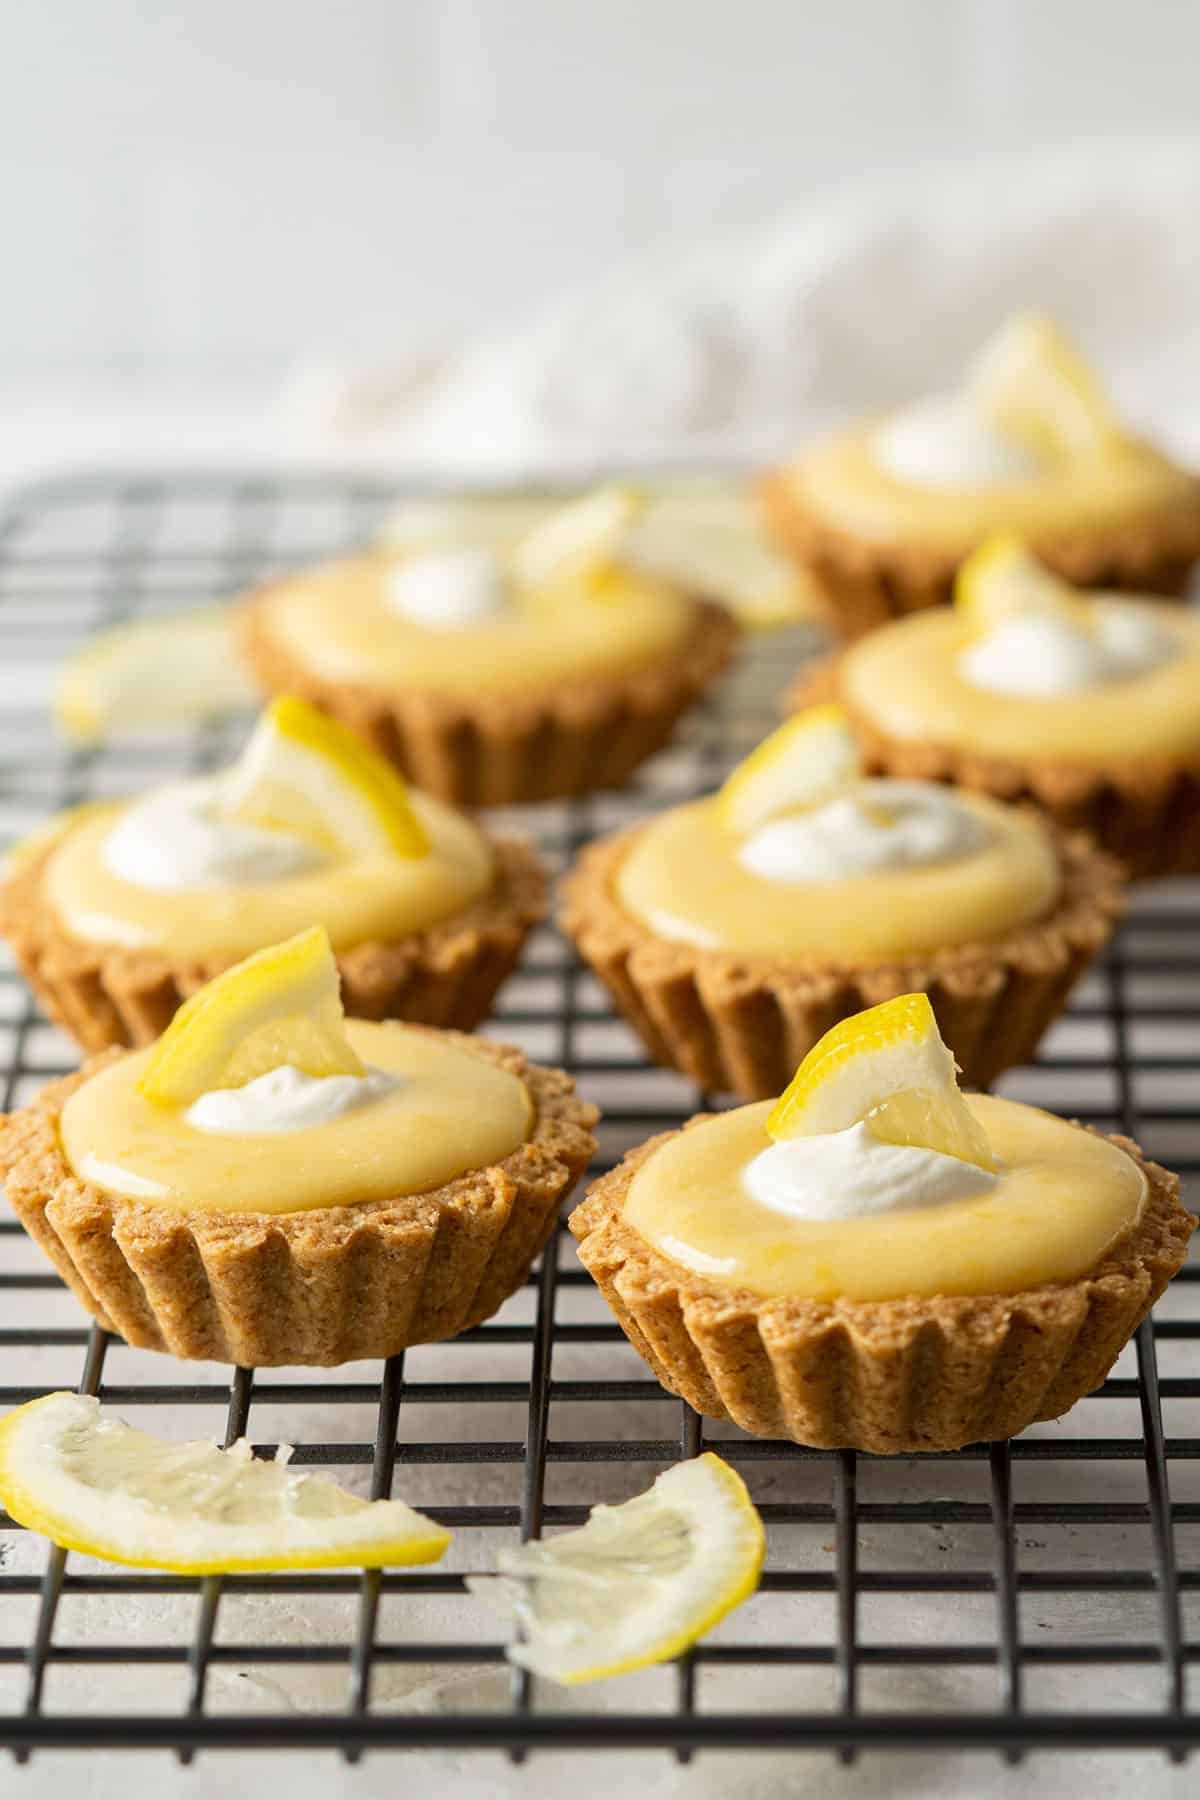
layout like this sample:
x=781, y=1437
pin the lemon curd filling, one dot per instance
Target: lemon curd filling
x=339, y=620
x=358, y=898
x=685, y=878
x=1062, y=1199
x=443, y=1112
x=843, y=483
x=908, y=679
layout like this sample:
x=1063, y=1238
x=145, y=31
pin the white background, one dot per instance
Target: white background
x=212, y=185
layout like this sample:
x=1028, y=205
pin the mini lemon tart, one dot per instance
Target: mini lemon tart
x=494, y=674
x=270, y=1183
x=117, y=912
x=884, y=514
x=1087, y=704
x=733, y=931
x=878, y=1261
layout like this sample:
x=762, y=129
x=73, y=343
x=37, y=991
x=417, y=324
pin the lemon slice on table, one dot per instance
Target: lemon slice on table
x=639, y=1582
x=1003, y=579
x=805, y=762
x=304, y=773
x=280, y=1006
x=152, y=673
x=571, y=540
x=1037, y=390
x=886, y=1068
x=94, y=1484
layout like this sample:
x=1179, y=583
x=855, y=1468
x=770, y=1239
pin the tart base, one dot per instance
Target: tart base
x=1144, y=812
x=890, y=1377
x=741, y=1024
x=862, y=585
x=508, y=749
x=320, y=1287
x=446, y=974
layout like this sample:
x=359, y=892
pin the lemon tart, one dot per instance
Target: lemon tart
x=271, y=1183
x=733, y=931
x=117, y=912
x=1087, y=704
x=877, y=1260
x=499, y=673
x=884, y=514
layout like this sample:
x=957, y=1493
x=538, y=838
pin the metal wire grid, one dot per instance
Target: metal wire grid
x=1106, y=1590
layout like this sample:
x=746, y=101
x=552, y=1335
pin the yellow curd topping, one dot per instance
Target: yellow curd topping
x=340, y=620
x=842, y=483
x=685, y=878
x=449, y=1111
x=358, y=898
x=908, y=680
x=1061, y=1200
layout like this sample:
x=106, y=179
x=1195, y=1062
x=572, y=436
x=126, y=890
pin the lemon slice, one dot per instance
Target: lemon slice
x=802, y=764
x=886, y=1068
x=576, y=538
x=153, y=673
x=281, y=1006
x=451, y=522
x=706, y=535
x=1037, y=390
x=639, y=1582
x=305, y=774
x=1003, y=578
x=93, y=1483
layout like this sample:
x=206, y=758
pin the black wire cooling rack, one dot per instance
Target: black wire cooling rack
x=1038, y=1594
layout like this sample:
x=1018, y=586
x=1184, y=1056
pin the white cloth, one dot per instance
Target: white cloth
x=739, y=350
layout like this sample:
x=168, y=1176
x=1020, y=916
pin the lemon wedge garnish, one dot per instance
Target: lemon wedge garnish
x=281, y=1006
x=1003, y=578
x=461, y=521
x=304, y=773
x=803, y=763
x=576, y=538
x=707, y=536
x=886, y=1068
x=639, y=1582
x=94, y=1484
x=1037, y=390
x=152, y=673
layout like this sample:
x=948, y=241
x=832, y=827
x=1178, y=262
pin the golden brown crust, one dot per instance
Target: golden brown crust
x=889, y=1376
x=446, y=974
x=503, y=749
x=742, y=1023
x=863, y=585
x=1145, y=811
x=319, y=1287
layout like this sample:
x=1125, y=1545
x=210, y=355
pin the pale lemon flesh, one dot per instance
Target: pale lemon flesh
x=1003, y=579
x=802, y=764
x=1039, y=391
x=584, y=534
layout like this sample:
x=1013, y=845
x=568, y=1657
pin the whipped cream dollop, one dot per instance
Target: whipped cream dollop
x=285, y=1099
x=873, y=826
x=176, y=839
x=855, y=1175
x=944, y=441
x=448, y=588
x=1044, y=655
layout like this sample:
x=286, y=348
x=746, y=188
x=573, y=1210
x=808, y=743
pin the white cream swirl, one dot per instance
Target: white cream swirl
x=945, y=442
x=875, y=825
x=1040, y=656
x=285, y=1099
x=176, y=839
x=855, y=1175
x=446, y=589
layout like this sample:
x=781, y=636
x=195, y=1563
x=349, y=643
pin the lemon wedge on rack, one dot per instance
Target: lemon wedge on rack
x=1037, y=390
x=803, y=763
x=886, y=1068
x=305, y=774
x=639, y=1582
x=1003, y=578
x=574, y=539
x=94, y=1484
x=151, y=673
x=280, y=1006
